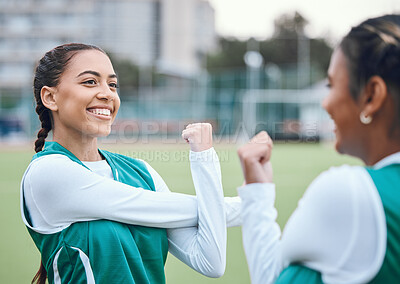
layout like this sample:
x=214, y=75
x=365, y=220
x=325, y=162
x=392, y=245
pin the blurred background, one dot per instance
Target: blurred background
x=243, y=66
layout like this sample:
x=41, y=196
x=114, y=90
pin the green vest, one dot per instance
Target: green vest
x=387, y=181
x=104, y=251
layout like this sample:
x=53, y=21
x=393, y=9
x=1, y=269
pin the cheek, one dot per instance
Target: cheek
x=117, y=105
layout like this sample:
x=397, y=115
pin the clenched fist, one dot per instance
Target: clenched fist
x=199, y=136
x=255, y=159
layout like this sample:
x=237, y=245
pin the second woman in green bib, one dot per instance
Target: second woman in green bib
x=346, y=226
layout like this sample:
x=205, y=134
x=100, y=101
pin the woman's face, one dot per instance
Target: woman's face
x=342, y=108
x=86, y=96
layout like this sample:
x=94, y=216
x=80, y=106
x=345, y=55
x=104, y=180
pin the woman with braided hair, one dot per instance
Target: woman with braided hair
x=346, y=228
x=101, y=217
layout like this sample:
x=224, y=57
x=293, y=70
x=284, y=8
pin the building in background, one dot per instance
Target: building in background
x=185, y=36
x=169, y=34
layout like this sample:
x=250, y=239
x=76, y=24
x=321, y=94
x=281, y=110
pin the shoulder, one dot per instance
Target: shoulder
x=46, y=171
x=51, y=166
x=339, y=180
x=338, y=188
x=49, y=162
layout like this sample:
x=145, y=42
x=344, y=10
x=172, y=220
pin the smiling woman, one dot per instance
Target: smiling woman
x=101, y=217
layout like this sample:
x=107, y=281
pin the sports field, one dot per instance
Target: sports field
x=295, y=166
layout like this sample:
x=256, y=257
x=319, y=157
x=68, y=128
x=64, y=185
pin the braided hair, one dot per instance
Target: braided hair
x=373, y=49
x=48, y=73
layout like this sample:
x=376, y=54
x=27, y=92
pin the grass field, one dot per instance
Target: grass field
x=295, y=166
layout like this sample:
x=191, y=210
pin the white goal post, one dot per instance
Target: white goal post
x=309, y=121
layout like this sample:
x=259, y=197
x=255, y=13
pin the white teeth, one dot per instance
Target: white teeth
x=100, y=111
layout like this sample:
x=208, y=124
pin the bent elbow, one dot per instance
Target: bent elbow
x=217, y=271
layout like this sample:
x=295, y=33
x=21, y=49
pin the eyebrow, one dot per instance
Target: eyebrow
x=97, y=74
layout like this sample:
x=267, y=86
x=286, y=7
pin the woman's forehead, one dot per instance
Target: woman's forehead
x=90, y=60
x=337, y=65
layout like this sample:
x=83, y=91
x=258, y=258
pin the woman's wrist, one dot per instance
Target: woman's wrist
x=254, y=172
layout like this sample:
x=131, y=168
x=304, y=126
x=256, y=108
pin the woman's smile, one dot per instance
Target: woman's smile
x=100, y=112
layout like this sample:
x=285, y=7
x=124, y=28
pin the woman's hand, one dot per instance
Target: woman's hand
x=255, y=159
x=199, y=136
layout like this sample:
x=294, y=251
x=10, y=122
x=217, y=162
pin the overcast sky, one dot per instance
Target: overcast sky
x=245, y=18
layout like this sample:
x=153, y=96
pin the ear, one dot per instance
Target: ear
x=48, y=98
x=374, y=97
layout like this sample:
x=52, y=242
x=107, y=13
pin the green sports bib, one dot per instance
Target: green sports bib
x=104, y=251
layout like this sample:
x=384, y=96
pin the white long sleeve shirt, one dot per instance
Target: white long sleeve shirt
x=338, y=228
x=59, y=192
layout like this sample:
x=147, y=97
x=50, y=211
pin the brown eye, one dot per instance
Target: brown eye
x=89, y=82
x=114, y=85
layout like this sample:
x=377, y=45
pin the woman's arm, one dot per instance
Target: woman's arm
x=333, y=230
x=186, y=243
x=233, y=205
x=261, y=233
x=203, y=247
x=58, y=192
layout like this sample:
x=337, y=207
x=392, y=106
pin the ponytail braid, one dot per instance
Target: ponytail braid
x=46, y=123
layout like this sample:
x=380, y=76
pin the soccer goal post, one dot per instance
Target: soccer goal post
x=286, y=114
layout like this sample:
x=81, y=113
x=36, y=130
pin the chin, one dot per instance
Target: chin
x=99, y=130
x=339, y=147
x=340, y=150
x=104, y=133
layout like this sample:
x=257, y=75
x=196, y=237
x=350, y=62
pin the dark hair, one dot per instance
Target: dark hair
x=373, y=48
x=48, y=73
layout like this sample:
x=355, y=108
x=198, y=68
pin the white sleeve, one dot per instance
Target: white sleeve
x=233, y=208
x=338, y=229
x=58, y=192
x=202, y=247
x=232, y=204
x=260, y=232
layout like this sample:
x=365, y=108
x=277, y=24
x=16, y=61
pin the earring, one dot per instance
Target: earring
x=365, y=119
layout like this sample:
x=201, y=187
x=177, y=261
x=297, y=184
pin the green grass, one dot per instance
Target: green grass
x=295, y=166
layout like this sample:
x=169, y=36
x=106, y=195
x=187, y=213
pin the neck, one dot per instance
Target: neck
x=84, y=148
x=379, y=149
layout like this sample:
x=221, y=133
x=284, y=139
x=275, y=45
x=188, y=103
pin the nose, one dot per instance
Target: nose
x=326, y=102
x=106, y=94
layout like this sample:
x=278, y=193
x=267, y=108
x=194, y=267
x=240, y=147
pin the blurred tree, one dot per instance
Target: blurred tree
x=281, y=48
x=289, y=26
x=128, y=75
x=229, y=55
